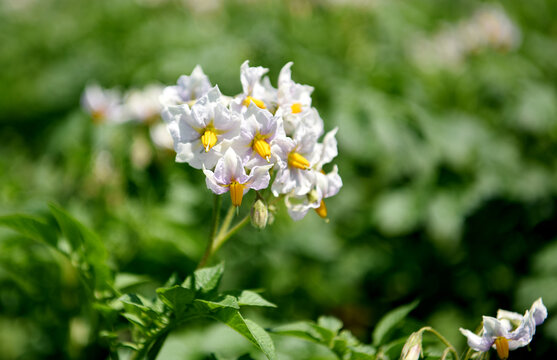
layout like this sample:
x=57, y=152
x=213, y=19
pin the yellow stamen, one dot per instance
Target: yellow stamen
x=322, y=210
x=296, y=108
x=298, y=161
x=262, y=148
x=98, y=116
x=208, y=139
x=502, y=347
x=236, y=193
x=257, y=102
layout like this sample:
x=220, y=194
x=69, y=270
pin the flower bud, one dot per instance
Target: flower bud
x=272, y=210
x=413, y=347
x=259, y=214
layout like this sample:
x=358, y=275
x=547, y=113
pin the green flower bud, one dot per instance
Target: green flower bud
x=259, y=214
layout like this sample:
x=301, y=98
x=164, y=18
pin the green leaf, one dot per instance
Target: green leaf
x=86, y=245
x=250, y=298
x=139, y=307
x=303, y=330
x=331, y=323
x=219, y=302
x=253, y=332
x=177, y=298
x=390, y=320
x=31, y=227
x=205, y=280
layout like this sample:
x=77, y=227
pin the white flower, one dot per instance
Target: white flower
x=161, y=137
x=144, y=105
x=230, y=175
x=188, y=90
x=325, y=185
x=257, y=137
x=255, y=89
x=508, y=331
x=295, y=175
x=199, y=132
x=103, y=104
x=290, y=94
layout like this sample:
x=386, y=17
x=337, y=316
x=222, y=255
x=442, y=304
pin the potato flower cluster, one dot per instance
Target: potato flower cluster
x=263, y=137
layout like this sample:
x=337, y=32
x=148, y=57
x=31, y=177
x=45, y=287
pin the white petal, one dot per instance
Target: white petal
x=213, y=184
x=539, y=311
x=494, y=327
x=259, y=177
x=478, y=343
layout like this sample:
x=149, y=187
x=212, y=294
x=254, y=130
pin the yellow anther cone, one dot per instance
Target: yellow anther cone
x=296, y=108
x=502, y=347
x=322, y=210
x=260, y=104
x=208, y=139
x=236, y=193
x=298, y=161
x=263, y=149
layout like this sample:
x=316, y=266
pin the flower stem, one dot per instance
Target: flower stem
x=450, y=347
x=214, y=225
x=221, y=239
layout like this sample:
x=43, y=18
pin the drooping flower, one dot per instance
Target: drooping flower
x=188, y=88
x=103, y=104
x=508, y=331
x=199, y=132
x=230, y=175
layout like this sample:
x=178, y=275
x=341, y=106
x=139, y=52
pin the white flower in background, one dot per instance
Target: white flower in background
x=198, y=132
x=230, y=175
x=103, y=104
x=188, y=89
x=255, y=89
x=488, y=28
x=508, y=331
x=161, y=137
x=257, y=137
x=144, y=105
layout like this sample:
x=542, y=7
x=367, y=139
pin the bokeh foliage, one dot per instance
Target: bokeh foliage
x=450, y=171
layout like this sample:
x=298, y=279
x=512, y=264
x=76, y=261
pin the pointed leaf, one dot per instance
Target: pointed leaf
x=177, y=298
x=390, y=320
x=205, y=280
x=302, y=330
x=31, y=227
x=250, y=298
x=331, y=323
x=223, y=301
x=253, y=332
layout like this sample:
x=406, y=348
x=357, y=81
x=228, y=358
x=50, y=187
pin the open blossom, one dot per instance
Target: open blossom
x=256, y=90
x=508, y=331
x=257, y=137
x=199, y=132
x=325, y=184
x=188, y=89
x=230, y=175
x=103, y=104
x=291, y=95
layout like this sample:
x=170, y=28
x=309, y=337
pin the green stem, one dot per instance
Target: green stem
x=214, y=225
x=443, y=340
x=221, y=239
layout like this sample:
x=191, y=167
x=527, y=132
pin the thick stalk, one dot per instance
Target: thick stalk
x=222, y=239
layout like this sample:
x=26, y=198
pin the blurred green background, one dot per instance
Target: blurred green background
x=447, y=150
